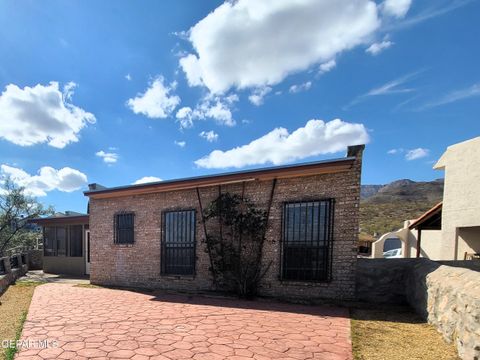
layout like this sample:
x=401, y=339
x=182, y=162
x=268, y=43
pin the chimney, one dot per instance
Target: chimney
x=95, y=186
x=355, y=151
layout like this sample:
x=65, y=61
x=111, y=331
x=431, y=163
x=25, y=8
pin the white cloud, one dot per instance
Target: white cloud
x=180, y=143
x=279, y=146
x=147, y=179
x=128, y=77
x=300, y=87
x=389, y=88
x=417, y=153
x=249, y=43
x=378, y=47
x=184, y=116
x=210, y=136
x=219, y=111
x=156, y=102
x=394, y=151
x=327, y=66
x=392, y=87
x=214, y=107
x=41, y=114
x=436, y=8
x=47, y=179
x=396, y=8
x=256, y=97
x=191, y=67
x=183, y=112
x=108, y=157
x=454, y=96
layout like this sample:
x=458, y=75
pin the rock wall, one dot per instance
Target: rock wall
x=382, y=281
x=448, y=296
x=10, y=275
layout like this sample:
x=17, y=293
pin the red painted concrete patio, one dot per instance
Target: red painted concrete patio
x=100, y=323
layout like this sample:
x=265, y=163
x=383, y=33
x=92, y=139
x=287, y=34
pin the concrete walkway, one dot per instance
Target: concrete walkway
x=81, y=323
x=40, y=276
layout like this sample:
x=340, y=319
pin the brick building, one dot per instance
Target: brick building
x=152, y=235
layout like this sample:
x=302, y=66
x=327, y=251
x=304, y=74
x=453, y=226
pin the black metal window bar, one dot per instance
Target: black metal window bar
x=307, y=240
x=14, y=262
x=2, y=266
x=124, y=228
x=178, y=243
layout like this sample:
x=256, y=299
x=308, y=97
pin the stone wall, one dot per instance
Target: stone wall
x=139, y=264
x=382, y=281
x=10, y=275
x=447, y=296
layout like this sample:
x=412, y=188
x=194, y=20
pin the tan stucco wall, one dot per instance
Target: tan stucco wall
x=461, y=199
x=468, y=241
x=431, y=244
x=430, y=247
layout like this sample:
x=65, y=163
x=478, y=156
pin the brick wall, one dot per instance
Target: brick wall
x=139, y=264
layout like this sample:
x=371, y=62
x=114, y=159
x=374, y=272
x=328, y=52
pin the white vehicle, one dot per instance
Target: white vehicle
x=393, y=254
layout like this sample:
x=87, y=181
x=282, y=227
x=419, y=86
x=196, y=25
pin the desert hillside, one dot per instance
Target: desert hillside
x=383, y=208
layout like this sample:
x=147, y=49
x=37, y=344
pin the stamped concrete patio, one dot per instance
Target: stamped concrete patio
x=104, y=323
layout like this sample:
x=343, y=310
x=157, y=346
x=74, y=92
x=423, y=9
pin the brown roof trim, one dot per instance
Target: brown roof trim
x=426, y=216
x=278, y=172
x=82, y=219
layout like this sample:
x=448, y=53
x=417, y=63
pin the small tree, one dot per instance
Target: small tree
x=235, y=243
x=16, y=209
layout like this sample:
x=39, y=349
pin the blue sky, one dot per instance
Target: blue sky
x=115, y=91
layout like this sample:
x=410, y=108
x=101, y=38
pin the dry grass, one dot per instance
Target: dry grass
x=13, y=311
x=396, y=333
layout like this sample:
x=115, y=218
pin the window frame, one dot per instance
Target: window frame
x=52, y=249
x=163, y=242
x=328, y=242
x=116, y=230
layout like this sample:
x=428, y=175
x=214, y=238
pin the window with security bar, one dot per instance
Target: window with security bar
x=124, y=228
x=178, y=243
x=307, y=240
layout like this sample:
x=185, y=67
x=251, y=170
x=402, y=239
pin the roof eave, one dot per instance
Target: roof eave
x=427, y=215
x=83, y=219
x=330, y=166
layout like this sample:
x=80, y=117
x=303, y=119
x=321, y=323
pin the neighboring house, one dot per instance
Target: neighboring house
x=65, y=243
x=451, y=229
x=428, y=226
x=152, y=235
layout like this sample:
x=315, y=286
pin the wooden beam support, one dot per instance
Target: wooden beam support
x=419, y=242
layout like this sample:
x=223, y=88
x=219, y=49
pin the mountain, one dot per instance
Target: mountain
x=403, y=190
x=384, y=208
x=369, y=190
